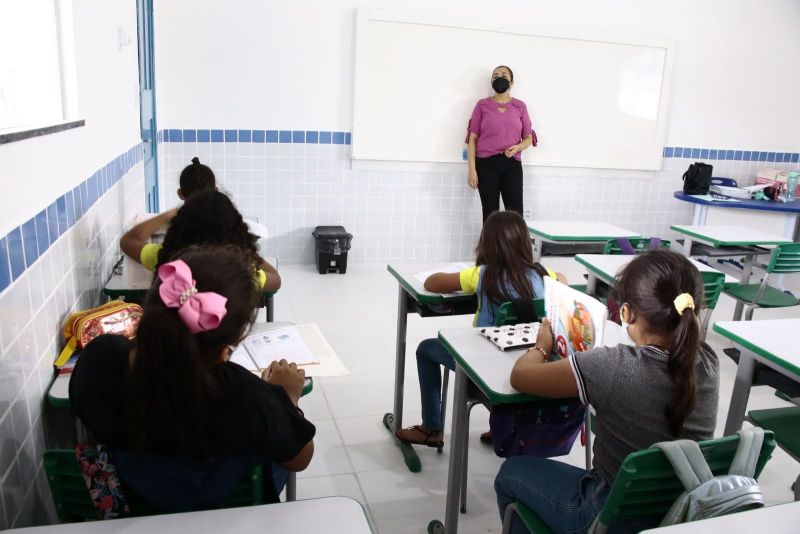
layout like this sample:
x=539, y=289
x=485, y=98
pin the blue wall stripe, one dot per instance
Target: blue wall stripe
x=312, y=137
x=345, y=138
x=23, y=245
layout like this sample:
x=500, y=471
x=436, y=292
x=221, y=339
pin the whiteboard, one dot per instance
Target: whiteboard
x=594, y=102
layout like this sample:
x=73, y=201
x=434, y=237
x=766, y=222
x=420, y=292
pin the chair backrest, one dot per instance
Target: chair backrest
x=506, y=314
x=713, y=284
x=71, y=498
x=785, y=259
x=646, y=484
x=639, y=244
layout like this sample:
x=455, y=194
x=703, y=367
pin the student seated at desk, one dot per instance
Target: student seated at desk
x=665, y=387
x=185, y=424
x=504, y=270
x=208, y=218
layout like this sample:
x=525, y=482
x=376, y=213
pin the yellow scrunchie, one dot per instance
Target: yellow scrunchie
x=683, y=301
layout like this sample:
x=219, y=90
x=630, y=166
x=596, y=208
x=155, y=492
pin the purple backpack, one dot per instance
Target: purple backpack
x=544, y=429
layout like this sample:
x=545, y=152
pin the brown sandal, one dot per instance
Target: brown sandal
x=429, y=438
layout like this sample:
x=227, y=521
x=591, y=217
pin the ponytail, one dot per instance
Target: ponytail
x=168, y=414
x=683, y=370
x=662, y=288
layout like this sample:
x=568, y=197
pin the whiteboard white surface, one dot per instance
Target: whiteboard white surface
x=594, y=102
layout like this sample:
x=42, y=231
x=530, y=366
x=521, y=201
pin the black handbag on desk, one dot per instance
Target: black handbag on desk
x=697, y=179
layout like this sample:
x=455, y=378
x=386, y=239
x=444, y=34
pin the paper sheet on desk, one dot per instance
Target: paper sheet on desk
x=329, y=363
x=278, y=344
x=455, y=267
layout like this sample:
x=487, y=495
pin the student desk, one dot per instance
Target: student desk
x=332, y=515
x=414, y=298
x=740, y=240
x=778, y=519
x=606, y=266
x=772, y=217
x=769, y=342
x=573, y=232
x=480, y=362
x=131, y=280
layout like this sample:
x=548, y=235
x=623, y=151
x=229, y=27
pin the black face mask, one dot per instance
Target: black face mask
x=500, y=85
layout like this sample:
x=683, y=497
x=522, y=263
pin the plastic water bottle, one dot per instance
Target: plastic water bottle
x=464, y=153
x=791, y=186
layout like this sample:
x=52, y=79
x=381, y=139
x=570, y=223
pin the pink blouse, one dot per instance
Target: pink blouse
x=497, y=130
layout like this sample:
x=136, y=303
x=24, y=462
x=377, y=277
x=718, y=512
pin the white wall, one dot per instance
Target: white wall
x=248, y=64
x=40, y=169
x=65, y=265
x=245, y=64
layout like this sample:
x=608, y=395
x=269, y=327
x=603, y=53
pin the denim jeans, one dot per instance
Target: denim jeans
x=279, y=477
x=431, y=355
x=565, y=497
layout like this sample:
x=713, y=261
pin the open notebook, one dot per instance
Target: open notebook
x=303, y=345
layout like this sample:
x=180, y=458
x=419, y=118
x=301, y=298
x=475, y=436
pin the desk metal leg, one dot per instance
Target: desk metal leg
x=270, y=305
x=741, y=391
x=747, y=270
x=591, y=284
x=588, y=424
x=687, y=246
x=394, y=421
x=537, y=248
x=291, y=487
x=458, y=441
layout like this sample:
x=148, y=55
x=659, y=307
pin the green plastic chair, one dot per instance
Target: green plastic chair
x=505, y=313
x=784, y=259
x=71, y=498
x=639, y=244
x=785, y=424
x=647, y=485
x=713, y=285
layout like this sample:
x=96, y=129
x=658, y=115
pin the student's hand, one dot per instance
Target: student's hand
x=472, y=179
x=510, y=151
x=288, y=376
x=544, y=338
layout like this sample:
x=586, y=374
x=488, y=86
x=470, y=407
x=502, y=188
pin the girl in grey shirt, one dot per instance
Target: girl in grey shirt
x=664, y=388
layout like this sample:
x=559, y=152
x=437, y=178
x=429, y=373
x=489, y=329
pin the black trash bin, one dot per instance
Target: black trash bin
x=332, y=244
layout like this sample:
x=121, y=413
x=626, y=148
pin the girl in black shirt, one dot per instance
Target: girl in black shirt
x=184, y=423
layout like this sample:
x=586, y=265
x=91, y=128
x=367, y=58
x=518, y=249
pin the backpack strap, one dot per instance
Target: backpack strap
x=625, y=246
x=524, y=310
x=655, y=243
x=687, y=461
x=748, y=452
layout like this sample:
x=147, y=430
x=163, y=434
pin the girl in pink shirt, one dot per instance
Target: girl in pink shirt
x=499, y=130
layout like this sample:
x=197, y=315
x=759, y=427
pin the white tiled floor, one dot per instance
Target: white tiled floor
x=354, y=455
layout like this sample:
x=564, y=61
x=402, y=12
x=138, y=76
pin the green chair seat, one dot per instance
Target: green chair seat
x=772, y=298
x=784, y=422
x=579, y=287
x=646, y=483
x=532, y=521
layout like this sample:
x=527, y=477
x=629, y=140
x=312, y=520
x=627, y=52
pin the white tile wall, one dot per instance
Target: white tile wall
x=67, y=277
x=413, y=216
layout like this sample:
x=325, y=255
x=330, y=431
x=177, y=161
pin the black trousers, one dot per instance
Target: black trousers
x=499, y=175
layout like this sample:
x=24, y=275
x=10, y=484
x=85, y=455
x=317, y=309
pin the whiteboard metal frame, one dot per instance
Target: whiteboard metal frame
x=365, y=15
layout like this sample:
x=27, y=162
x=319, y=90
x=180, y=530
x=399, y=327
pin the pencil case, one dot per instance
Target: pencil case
x=114, y=317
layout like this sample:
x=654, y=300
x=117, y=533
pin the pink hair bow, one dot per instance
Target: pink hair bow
x=200, y=312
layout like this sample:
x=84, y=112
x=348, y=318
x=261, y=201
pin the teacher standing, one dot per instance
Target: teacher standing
x=499, y=130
